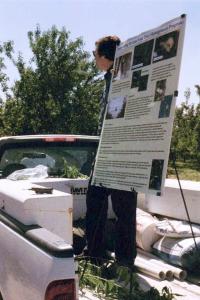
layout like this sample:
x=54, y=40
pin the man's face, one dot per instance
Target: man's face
x=102, y=63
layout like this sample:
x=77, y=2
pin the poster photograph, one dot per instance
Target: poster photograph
x=136, y=135
x=122, y=66
x=116, y=107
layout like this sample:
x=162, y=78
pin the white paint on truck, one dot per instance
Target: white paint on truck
x=26, y=270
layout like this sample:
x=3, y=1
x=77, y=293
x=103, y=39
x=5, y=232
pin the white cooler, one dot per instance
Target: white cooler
x=51, y=211
x=171, y=203
x=78, y=188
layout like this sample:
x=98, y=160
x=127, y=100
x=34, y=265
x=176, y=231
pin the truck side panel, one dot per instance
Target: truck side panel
x=25, y=269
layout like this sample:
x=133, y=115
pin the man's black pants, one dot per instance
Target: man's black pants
x=124, y=205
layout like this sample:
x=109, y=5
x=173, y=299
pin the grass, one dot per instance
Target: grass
x=117, y=287
x=188, y=170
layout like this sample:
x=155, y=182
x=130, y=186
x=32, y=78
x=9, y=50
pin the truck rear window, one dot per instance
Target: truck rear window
x=54, y=155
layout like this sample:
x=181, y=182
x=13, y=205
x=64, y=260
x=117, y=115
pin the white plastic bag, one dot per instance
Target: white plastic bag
x=38, y=172
x=176, y=228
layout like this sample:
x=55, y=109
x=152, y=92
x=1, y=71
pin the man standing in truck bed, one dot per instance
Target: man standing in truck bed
x=123, y=202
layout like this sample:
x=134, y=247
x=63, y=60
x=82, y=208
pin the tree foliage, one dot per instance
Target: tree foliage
x=186, y=132
x=57, y=91
x=6, y=49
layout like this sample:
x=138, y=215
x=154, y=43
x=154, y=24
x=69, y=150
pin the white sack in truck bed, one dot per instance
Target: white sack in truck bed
x=146, y=234
x=181, y=252
x=51, y=211
x=176, y=228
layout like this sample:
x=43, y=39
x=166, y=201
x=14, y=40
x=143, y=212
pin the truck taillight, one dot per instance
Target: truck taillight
x=61, y=290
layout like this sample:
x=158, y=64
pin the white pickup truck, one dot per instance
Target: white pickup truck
x=36, y=251
x=36, y=217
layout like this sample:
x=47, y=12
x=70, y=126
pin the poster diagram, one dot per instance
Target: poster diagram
x=135, y=140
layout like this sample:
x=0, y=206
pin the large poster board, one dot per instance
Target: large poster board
x=135, y=140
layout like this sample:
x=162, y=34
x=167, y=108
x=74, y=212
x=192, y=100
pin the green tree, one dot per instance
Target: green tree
x=187, y=95
x=197, y=133
x=184, y=138
x=11, y=119
x=197, y=86
x=58, y=91
x=5, y=50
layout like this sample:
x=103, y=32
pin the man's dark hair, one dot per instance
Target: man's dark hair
x=106, y=46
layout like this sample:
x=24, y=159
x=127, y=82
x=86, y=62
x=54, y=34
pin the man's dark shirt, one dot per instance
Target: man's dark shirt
x=104, y=100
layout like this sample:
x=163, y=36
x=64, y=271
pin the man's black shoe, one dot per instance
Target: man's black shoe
x=126, y=263
x=109, y=270
x=103, y=258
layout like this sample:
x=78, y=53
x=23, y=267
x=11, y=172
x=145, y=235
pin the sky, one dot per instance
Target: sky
x=92, y=19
